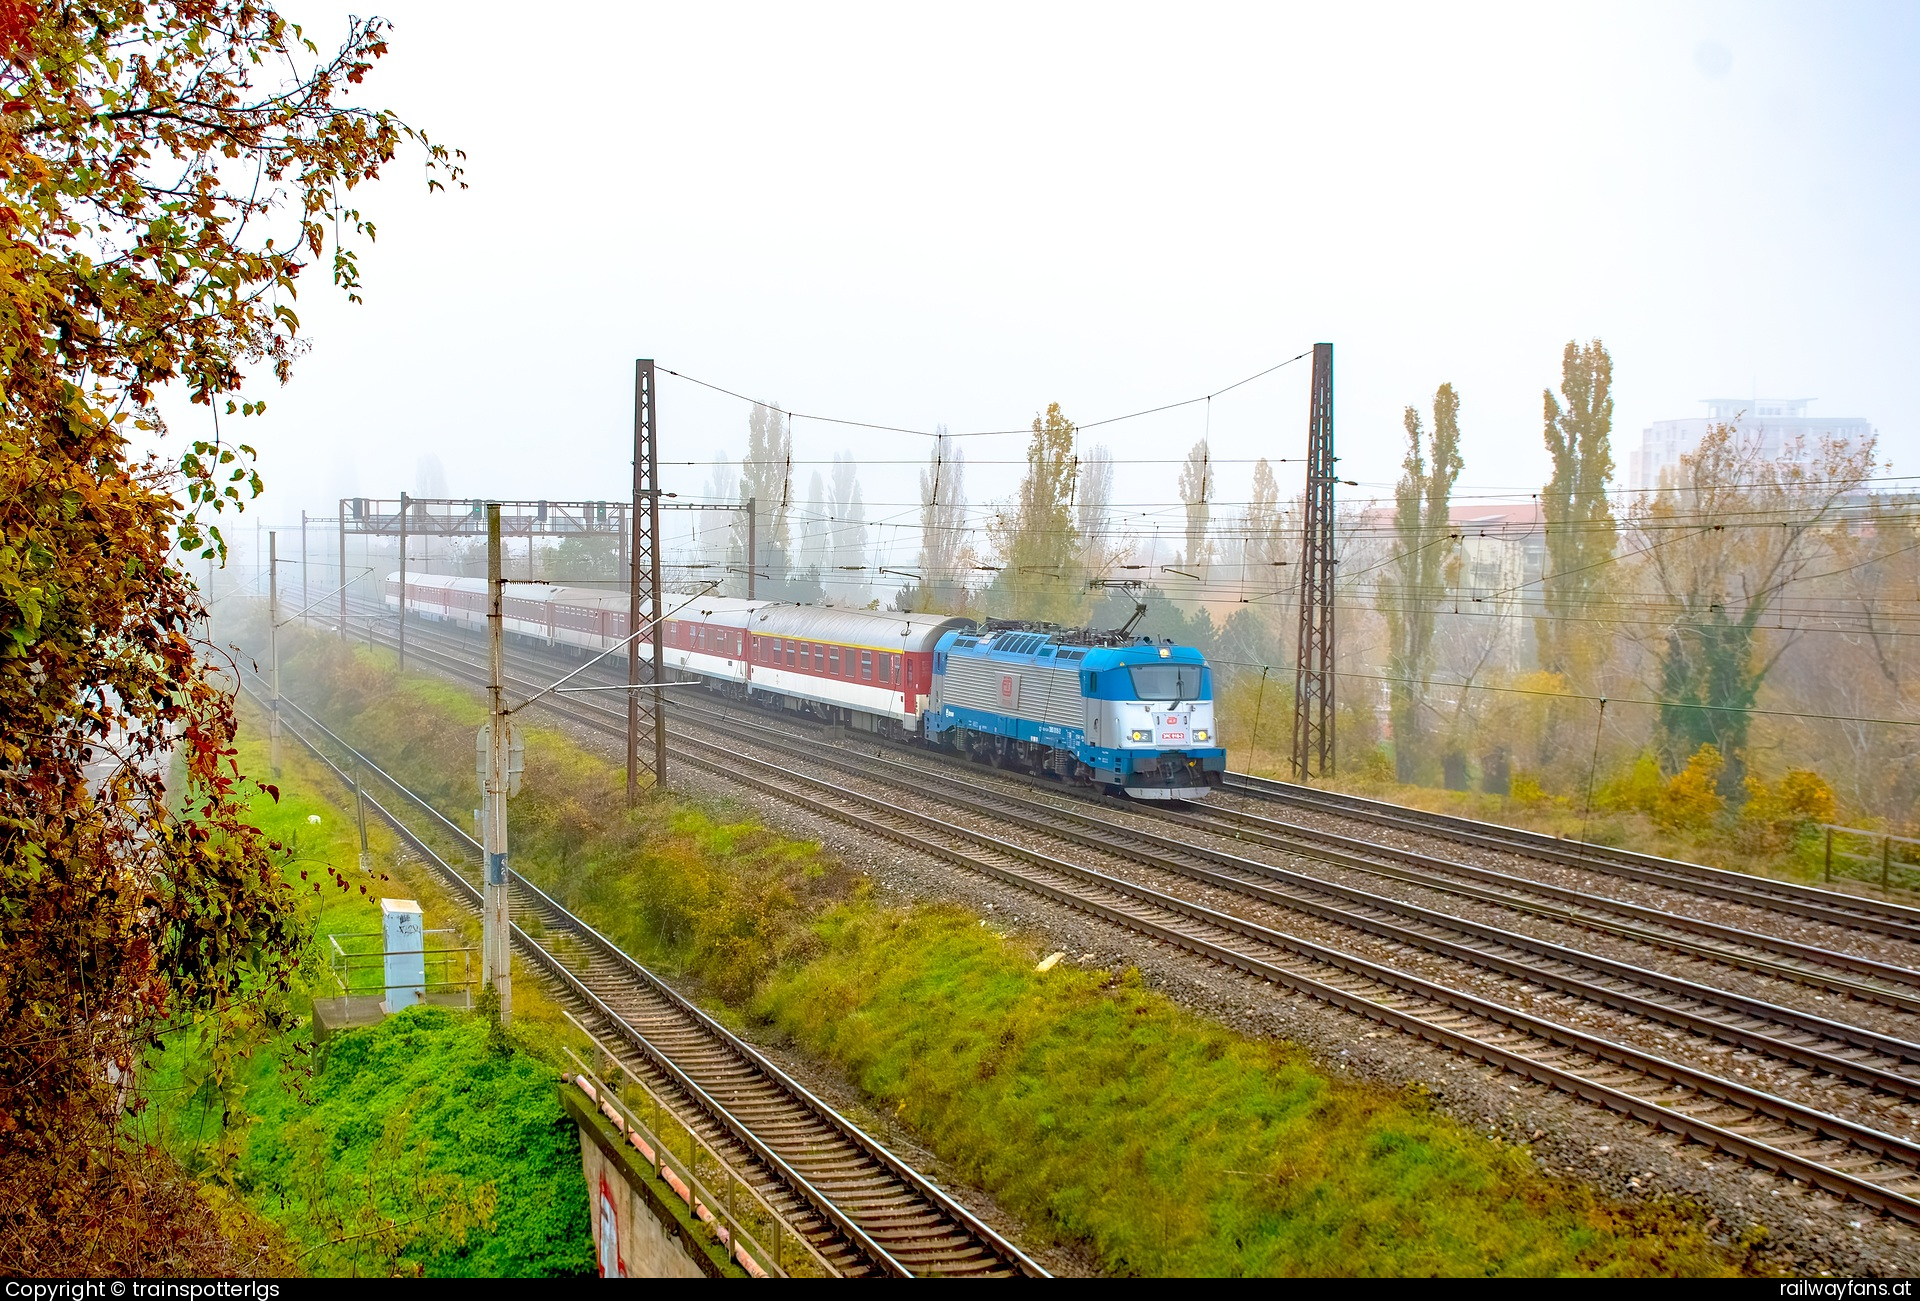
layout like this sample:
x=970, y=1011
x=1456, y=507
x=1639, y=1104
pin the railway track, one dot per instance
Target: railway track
x=1831, y=1152
x=1703, y=943
x=1834, y=907
x=1882, y=1062
x=1718, y=943
x=1845, y=973
x=863, y=1210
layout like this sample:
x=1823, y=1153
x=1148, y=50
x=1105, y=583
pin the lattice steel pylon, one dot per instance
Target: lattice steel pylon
x=646, y=710
x=1313, y=666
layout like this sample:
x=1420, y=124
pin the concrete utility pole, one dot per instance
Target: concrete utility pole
x=360, y=813
x=496, y=959
x=305, y=599
x=403, y=580
x=753, y=542
x=343, y=569
x=273, y=651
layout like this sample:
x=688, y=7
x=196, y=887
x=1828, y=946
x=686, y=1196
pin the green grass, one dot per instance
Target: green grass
x=1156, y=1140
x=1172, y=1145
x=420, y=1145
x=422, y=1122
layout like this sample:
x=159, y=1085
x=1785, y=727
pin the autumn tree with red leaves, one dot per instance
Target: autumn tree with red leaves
x=168, y=171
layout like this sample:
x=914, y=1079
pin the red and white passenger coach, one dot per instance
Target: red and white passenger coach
x=867, y=668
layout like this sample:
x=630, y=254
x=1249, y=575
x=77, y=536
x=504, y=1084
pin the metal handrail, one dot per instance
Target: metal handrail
x=658, y=1151
x=342, y=965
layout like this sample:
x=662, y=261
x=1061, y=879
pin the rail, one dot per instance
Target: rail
x=821, y=1204
x=651, y=1142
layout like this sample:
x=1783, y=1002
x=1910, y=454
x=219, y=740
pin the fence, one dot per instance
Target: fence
x=1855, y=854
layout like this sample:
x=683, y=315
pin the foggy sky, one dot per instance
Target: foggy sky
x=916, y=215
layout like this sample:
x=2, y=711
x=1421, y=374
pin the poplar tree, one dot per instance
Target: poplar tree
x=1415, y=578
x=765, y=478
x=847, y=526
x=1196, y=496
x=1036, y=541
x=1580, y=529
x=943, y=519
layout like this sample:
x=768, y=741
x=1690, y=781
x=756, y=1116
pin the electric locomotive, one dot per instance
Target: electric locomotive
x=1128, y=716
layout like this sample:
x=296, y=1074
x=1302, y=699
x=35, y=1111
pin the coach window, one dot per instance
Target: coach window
x=866, y=666
x=790, y=650
x=896, y=668
x=833, y=660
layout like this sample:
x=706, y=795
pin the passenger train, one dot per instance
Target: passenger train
x=1127, y=716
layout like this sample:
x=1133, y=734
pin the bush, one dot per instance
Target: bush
x=1691, y=801
x=1638, y=790
x=1374, y=767
x=1775, y=815
x=1527, y=791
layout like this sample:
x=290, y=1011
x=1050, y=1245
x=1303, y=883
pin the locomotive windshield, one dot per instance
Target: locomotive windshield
x=1166, y=681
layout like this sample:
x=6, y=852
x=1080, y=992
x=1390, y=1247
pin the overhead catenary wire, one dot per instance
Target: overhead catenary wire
x=983, y=433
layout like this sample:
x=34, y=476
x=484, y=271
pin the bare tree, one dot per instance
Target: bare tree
x=847, y=527
x=943, y=524
x=1720, y=545
x=816, y=548
x=1093, y=501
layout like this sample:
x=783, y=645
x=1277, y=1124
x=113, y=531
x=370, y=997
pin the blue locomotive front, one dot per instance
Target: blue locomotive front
x=1131, y=716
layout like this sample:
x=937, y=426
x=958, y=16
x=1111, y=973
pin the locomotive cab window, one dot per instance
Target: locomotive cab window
x=1166, y=681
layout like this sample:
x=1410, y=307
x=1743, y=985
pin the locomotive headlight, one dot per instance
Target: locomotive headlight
x=1138, y=735
x=1166, y=652
x=1202, y=735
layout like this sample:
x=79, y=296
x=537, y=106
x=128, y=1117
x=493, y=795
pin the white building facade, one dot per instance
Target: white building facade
x=1779, y=427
